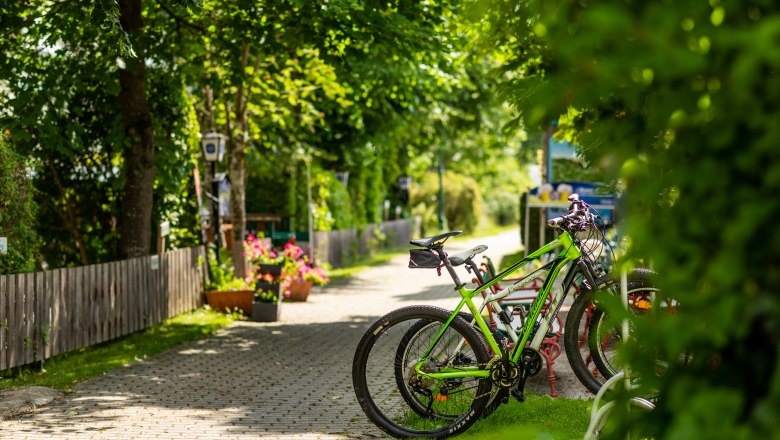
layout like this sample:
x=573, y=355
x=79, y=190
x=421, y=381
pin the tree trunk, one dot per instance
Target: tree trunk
x=208, y=124
x=139, y=147
x=237, y=162
x=236, y=170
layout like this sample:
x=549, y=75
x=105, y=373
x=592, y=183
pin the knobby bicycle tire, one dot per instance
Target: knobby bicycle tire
x=451, y=405
x=603, y=339
x=582, y=358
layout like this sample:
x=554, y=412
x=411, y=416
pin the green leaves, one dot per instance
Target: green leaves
x=680, y=99
x=373, y=88
x=17, y=212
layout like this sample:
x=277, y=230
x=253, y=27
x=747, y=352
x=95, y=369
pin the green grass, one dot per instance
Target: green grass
x=510, y=259
x=65, y=370
x=539, y=417
x=485, y=231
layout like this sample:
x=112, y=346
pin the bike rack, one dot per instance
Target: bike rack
x=598, y=416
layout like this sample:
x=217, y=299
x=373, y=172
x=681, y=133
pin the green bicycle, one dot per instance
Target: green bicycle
x=423, y=371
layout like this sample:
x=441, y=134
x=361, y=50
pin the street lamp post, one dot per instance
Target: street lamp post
x=404, y=185
x=213, y=150
x=310, y=205
x=441, y=189
x=404, y=182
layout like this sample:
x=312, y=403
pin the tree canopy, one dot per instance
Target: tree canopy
x=107, y=102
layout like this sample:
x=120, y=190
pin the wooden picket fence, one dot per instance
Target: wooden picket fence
x=339, y=247
x=43, y=314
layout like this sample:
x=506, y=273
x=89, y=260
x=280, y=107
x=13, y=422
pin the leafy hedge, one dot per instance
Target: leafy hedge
x=462, y=202
x=681, y=100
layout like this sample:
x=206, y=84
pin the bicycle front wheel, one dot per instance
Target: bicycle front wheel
x=400, y=402
x=604, y=339
x=575, y=339
x=591, y=361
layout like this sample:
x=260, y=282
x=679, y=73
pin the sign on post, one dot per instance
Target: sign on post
x=165, y=228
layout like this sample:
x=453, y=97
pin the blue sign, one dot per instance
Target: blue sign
x=590, y=193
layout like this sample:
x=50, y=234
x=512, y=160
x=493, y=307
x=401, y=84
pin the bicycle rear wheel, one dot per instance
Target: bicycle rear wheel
x=420, y=407
x=413, y=345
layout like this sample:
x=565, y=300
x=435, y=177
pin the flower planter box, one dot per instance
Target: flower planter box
x=230, y=300
x=299, y=290
x=267, y=287
x=266, y=312
x=272, y=269
x=262, y=288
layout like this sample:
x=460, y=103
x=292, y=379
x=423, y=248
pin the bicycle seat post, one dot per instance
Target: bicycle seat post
x=446, y=261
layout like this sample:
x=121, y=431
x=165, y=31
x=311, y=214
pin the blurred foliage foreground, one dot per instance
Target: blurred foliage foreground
x=681, y=101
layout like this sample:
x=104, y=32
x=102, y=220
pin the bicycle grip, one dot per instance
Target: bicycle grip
x=555, y=222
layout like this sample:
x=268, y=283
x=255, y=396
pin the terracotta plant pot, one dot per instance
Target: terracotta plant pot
x=266, y=312
x=299, y=290
x=222, y=300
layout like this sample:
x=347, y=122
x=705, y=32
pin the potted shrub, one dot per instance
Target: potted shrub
x=301, y=273
x=225, y=292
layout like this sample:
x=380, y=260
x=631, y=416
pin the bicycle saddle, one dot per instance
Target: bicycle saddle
x=461, y=257
x=430, y=241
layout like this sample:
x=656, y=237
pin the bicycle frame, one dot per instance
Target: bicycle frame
x=569, y=252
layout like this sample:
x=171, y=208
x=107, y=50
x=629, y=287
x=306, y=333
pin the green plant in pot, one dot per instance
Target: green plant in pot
x=225, y=292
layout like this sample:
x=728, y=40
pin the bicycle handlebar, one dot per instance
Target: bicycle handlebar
x=576, y=220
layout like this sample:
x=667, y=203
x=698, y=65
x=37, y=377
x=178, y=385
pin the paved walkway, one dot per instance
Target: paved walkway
x=290, y=379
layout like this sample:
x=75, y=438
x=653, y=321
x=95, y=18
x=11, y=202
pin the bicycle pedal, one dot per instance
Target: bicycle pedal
x=519, y=395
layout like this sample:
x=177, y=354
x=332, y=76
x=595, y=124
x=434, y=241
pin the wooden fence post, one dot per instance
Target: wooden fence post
x=3, y=321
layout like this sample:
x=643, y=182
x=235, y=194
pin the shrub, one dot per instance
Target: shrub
x=17, y=213
x=503, y=207
x=462, y=202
